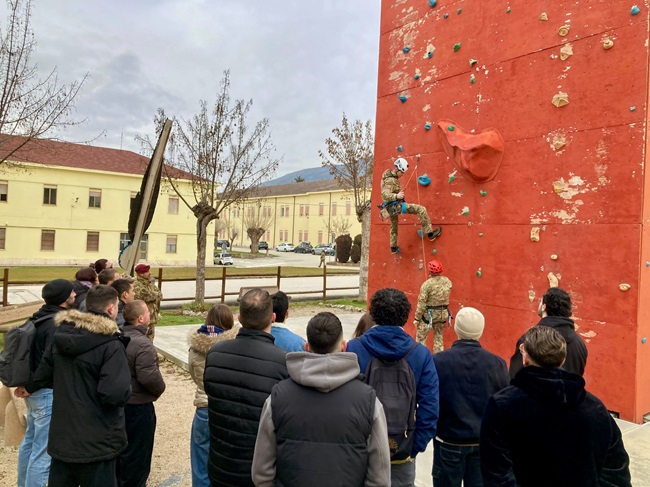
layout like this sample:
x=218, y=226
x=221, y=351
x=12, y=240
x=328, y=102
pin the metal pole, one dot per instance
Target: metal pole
x=223, y=284
x=277, y=283
x=160, y=278
x=325, y=283
x=5, y=288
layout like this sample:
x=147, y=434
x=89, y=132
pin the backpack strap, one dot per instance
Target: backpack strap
x=44, y=318
x=385, y=361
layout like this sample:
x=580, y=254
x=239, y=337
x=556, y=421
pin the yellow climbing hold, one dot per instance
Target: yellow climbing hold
x=563, y=31
x=534, y=234
x=566, y=52
x=560, y=99
x=624, y=287
x=543, y=17
x=608, y=44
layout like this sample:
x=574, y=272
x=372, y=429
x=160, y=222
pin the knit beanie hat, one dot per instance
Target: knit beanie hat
x=56, y=292
x=469, y=324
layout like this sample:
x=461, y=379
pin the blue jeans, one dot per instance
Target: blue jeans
x=200, y=448
x=33, y=459
x=455, y=464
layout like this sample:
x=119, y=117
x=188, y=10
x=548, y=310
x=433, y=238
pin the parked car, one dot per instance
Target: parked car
x=223, y=258
x=285, y=247
x=327, y=248
x=303, y=248
x=223, y=244
x=261, y=245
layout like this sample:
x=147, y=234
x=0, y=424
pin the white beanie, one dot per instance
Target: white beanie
x=469, y=324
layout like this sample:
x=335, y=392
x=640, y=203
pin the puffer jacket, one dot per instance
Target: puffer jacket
x=147, y=383
x=200, y=344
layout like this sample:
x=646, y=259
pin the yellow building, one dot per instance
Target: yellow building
x=314, y=211
x=69, y=204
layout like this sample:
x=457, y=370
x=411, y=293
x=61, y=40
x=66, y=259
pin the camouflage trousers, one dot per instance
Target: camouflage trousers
x=151, y=331
x=423, y=333
x=418, y=210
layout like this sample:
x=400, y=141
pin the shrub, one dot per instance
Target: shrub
x=355, y=253
x=343, y=247
x=357, y=240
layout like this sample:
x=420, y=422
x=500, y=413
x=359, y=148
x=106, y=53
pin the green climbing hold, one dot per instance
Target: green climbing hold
x=457, y=47
x=508, y=10
x=459, y=11
x=465, y=213
x=451, y=128
x=434, y=251
x=480, y=234
x=472, y=62
x=451, y=178
x=479, y=273
x=483, y=193
x=472, y=79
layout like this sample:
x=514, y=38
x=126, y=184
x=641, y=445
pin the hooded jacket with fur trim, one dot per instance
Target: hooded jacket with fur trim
x=91, y=383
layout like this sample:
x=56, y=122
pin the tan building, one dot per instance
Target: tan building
x=69, y=204
x=314, y=211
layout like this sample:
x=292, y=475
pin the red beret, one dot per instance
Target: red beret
x=142, y=268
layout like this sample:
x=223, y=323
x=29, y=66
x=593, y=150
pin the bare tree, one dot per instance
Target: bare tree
x=349, y=156
x=31, y=107
x=338, y=226
x=256, y=223
x=219, y=226
x=226, y=159
x=232, y=231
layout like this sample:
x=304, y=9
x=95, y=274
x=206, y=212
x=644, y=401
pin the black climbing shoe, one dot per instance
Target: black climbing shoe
x=435, y=234
x=394, y=250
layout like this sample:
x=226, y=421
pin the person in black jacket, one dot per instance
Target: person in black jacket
x=91, y=384
x=33, y=460
x=546, y=430
x=555, y=309
x=468, y=375
x=239, y=375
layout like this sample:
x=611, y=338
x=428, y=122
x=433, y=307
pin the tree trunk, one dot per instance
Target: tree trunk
x=365, y=248
x=201, y=242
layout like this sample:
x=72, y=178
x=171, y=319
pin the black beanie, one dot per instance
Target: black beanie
x=57, y=291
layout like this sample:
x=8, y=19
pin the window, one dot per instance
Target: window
x=47, y=239
x=251, y=212
x=321, y=207
x=49, y=195
x=4, y=187
x=282, y=211
x=172, y=207
x=306, y=236
x=333, y=209
x=95, y=198
x=3, y=235
x=144, y=244
x=171, y=244
x=307, y=210
x=92, y=242
x=302, y=211
x=300, y=235
x=320, y=236
x=348, y=207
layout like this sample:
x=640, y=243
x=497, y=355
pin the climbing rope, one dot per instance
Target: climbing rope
x=422, y=229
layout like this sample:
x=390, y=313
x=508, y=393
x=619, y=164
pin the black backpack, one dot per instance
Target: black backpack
x=16, y=358
x=394, y=383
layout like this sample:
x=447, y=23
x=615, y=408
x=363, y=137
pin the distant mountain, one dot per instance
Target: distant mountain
x=309, y=174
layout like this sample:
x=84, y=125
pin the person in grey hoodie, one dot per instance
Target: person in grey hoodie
x=322, y=426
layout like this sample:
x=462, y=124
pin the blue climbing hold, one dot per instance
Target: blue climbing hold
x=433, y=3
x=644, y=339
x=406, y=49
x=402, y=98
x=427, y=126
x=446, y=16
x=416, y=76
x=399, y=148
x=424, y=180
x=635, y=10
x=430, y=54
x=420, y=234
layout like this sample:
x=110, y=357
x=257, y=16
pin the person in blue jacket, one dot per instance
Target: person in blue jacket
x=390, y=309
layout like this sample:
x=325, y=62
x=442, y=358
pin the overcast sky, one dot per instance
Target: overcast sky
x=302, y=62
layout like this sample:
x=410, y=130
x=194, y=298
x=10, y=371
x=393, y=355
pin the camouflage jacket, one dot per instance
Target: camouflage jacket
x=390, y=185
x=147, y=291
x=434, y=291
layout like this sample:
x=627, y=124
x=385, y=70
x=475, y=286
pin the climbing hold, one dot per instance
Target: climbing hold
x=553, y=256
x=402, y=98
x=534, y=234
x=446, y=16
x=452, y=177
x=624, y=287
x=460, y=10
x=531, y=295
x=564, y=30
x=560, y=99
x=553, y=280
x=434, y=251
x=472, y=62
x=416, y=76
x=608, y=44
x=456, y=47
x=427, y=126
x=429, y=54
x=635, y=10
x=472, y=79
x=543, y=17
x=400, y=148
x=424, y=180
x=566, y=52
x=420, y=266
x=480, y=234
x=632, y=108
x=465, y=211
x=483, y=193
x=451, y=128
x=420, y=234
x=558, y=142
x=508, y=10
x=479, y=273
x=647, y=264
x=644, y=339
x=433, y=3
x=406, y=49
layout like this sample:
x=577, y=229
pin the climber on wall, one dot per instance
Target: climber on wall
x=433, y=306
x=394, y=204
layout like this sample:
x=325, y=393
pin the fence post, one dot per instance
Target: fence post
x=160, y=278
x=5, y=288
x=223, y=284
x=325, y=283
x=277, y=282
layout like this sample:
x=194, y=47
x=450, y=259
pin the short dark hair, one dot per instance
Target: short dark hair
x=99, y=265
x=558, y=302
x=100, y=296
x=256, y=309
x=324, y=332
x=390, y=307
x=121, y=286
x=86, y=274
x=545, y=346
x=106, y=276
x=133, y=310
x=220, y=316
x=365, y=323
x=280, y=306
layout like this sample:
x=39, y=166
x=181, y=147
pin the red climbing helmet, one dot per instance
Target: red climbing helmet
x=435, y=267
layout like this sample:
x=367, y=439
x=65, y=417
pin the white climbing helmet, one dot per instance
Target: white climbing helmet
x=401, y=164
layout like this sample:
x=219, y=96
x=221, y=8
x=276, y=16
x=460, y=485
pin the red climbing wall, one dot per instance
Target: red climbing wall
x=586, y=197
